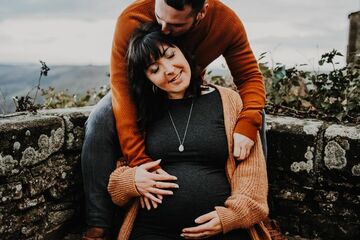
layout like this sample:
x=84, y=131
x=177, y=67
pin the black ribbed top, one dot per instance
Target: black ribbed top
x=200, y=169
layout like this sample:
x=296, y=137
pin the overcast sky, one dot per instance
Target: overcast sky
x=80, y=31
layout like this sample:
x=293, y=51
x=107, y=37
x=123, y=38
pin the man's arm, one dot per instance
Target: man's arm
x=130, y=138
x=247, y=77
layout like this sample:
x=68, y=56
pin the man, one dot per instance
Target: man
x=208, y=29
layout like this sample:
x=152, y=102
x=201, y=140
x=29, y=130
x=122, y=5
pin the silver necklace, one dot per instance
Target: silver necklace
x=181, y=142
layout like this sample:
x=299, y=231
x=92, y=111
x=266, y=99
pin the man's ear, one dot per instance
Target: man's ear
x=202, y=13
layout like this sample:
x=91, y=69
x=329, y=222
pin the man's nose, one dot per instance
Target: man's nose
x=165, y=28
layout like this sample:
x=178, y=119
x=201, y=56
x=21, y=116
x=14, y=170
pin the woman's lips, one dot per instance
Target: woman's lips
x=176, y=77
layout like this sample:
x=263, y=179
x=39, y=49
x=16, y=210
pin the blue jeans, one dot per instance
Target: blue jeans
x=101, y=150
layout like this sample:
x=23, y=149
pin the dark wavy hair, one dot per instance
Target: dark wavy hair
x=196, y=5
x=143, y=50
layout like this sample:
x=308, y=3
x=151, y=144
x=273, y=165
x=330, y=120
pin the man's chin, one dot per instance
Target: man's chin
x=177, y=34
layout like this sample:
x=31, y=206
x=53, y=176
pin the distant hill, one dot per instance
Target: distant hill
x=17, y=80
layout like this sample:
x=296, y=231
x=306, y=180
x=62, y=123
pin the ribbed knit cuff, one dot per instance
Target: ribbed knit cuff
x=229, y=220
x=122, y=186
x=247, y=129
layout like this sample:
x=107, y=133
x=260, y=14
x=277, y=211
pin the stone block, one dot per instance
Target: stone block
x=326, y=196
x=10, y=192
x=64, y=205
x=47, y=175
x=58, y=217
x=27, y=140
x=6, y=210
x=74, y=119
x=60, y=189
x=340, y=166
x=292, y=150
x=28, y=231
x=334, y=228
x=10, y=229
x=39, y=184
x=31, y=202
x=34, y=215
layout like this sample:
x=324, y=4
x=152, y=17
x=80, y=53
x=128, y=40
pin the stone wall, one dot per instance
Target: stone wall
x=314, y=178
x=40, y=175
x=314, y=173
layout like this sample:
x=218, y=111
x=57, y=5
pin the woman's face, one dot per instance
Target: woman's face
x=171, y=72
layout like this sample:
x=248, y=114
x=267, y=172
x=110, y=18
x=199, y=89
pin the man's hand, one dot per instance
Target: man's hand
x=242, y=146
x=210, y=226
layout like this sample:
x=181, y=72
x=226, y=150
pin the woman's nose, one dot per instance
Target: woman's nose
x=169, y=69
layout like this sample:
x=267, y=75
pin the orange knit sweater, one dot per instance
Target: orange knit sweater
x=219, y=33
x=247, y=204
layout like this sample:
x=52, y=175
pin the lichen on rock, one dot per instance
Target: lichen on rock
x=312, y=128
x=57, y=138
x=304, y=166
x=16, y=146
x=68, y=124
x=334, y=156
x=355, y=170
x=47, y=146
x=7, y=165
x=43, y=141
x=350, y=132
x=29, y=157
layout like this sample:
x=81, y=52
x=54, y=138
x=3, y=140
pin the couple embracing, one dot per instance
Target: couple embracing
x=193, y=164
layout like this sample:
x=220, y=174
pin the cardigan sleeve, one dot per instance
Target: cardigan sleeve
x=247, y=204
x=121, y=185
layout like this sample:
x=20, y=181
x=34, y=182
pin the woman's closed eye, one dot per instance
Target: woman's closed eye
x=154, y=68
x=169, y=53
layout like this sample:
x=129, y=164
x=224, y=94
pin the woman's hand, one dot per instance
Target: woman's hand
x=210, y=226
x=152, y=185
x=146, y=202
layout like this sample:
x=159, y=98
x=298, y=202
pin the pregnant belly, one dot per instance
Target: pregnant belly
x=201, y=188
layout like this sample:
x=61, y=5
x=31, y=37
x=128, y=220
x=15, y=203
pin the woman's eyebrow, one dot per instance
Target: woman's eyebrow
x=152, y=63
x=162, y=54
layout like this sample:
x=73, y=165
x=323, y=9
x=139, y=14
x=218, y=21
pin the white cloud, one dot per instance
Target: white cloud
x=80, y=32
x=57, y=41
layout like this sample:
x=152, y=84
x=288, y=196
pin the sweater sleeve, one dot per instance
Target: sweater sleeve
x=247, y=204
x=247, y=77
x=121, y=186
x=130, y=138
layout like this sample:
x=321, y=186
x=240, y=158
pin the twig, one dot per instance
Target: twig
x=37, y=87
x=13, y=114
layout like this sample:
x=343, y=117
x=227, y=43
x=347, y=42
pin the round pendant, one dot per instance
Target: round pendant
x=181, y=148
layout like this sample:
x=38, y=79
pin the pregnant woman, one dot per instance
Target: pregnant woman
x=197, y=190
